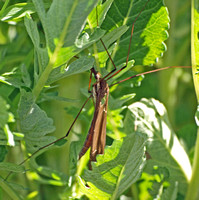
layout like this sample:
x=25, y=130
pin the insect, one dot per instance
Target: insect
x=97, y=133
x=100, y=92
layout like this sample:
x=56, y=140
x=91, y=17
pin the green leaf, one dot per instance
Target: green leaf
x=32, y=30
x=54, y=96
x=19, y=77
x=160, y=188
x=34, y=123
x=171, y=191
x=91, y=191
x=64, y=19
x=66, y=53
x=11, y=167
x=17, y=11
x=118, y=102
x=24, y=69
x=163, y=147
x=101, y=10
x=50, y=176
x=62, y=24
x=74, y=151
x=119, y=167
x=149, y=30
x=3, y=152
x=80, y=65
x=9, y=136
x=42, y=53
x=3, y=112
x=109, y=41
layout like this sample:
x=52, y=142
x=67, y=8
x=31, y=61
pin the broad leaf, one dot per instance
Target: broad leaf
x=41, y=53
x=50, y=176
x=163, y=147
x=150, y=30
x=34, y=123
x=65, y=19
x=119, y=167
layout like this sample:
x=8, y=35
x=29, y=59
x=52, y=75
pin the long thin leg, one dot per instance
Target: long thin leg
x=148, y=72
x=89, y=85
x=55, y=140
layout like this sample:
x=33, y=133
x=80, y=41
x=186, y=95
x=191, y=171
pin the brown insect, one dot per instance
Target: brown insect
x=96, y=138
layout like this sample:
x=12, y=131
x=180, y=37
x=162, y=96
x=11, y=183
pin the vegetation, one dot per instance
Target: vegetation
x=46, y=53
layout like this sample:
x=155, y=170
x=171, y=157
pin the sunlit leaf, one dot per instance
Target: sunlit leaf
x=163, y=147
x=149, y=31
x=119, y=167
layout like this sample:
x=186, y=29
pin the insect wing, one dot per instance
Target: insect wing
x=99, y=135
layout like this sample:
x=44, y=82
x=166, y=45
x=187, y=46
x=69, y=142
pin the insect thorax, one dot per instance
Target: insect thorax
x=100, y=89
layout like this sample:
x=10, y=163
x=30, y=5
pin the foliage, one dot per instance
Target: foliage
x=47, y=49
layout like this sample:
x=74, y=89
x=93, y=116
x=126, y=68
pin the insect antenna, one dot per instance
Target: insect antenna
x=148, y=72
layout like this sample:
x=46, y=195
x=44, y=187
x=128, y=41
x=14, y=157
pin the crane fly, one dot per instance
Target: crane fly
x=96, y=138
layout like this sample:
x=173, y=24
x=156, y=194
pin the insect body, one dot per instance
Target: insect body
x=96, y=138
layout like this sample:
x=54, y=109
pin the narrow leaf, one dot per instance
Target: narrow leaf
x=80, y=65
x=3, y=112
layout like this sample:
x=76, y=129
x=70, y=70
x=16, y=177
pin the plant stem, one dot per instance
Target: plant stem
x=193, y=192
x=195, y=44
x=42, y=81
x=4, y=6
x=44, y=76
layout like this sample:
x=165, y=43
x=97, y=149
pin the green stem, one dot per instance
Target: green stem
x=42, y=81
x=194, y=44
x=193, y=192
x=44, y=76
x=4, y=6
